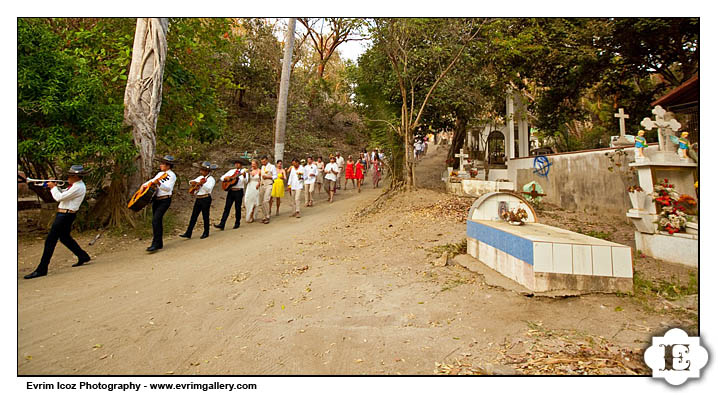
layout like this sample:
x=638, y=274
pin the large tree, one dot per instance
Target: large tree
x=327, y=34
x=421, y=53
x=143, y=96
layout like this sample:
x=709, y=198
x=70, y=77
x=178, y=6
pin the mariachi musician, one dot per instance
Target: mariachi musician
x=201, y=187
x=235, y=178
x=165, y=183
x=70, y=200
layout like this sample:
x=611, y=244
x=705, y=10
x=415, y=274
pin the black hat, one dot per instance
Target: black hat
x=77, y=170
x=169, y=159
x=207, y=166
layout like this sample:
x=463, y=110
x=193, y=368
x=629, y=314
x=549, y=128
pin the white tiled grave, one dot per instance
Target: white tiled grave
x=545, y=258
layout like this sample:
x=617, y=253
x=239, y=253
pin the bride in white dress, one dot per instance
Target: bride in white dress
x=251, y=194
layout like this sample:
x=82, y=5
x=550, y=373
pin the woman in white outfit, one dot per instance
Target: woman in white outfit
x=251, y=194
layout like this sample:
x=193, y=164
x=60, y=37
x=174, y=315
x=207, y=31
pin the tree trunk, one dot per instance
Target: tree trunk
x=281, y=124
x=458, y=142
x=143, y=94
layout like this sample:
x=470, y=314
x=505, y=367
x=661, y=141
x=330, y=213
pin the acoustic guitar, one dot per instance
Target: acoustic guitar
x=233, y=180
x=144, y=195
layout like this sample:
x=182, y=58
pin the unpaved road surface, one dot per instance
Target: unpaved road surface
x=341, y=290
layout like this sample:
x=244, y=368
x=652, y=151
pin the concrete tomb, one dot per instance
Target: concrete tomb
x=682, y=173
x=544, y=258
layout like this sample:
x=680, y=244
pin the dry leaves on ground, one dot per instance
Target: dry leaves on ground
x=453, y=208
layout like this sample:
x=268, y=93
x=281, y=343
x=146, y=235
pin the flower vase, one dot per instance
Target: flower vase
x=638, y=199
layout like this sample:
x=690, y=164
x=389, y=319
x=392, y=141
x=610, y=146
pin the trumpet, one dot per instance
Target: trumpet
x=43, y=183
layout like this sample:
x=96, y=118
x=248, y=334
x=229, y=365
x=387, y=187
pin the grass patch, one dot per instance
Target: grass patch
x=453, y=249
x=671, y=290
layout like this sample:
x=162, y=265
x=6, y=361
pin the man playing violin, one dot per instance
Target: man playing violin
x=165, y=183
x=70, y=200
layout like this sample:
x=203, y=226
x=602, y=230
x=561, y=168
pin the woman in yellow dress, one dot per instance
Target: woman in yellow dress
x=278, y=186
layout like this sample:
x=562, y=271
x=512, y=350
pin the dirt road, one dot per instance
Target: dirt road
x=330, y=293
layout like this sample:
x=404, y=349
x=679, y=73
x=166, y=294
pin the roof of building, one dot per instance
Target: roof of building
x=687, y=92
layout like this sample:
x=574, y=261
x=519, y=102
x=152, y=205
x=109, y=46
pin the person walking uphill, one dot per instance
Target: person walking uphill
x=237, y=178
x=201, y=187
x=165, y=182
x=70, y=200
x=268, y=174
x=310, y=178
x=295, y=183
x=331, y=172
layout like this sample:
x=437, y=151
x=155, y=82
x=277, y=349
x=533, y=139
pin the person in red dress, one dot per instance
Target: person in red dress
x=349, y=172
x=359, y=174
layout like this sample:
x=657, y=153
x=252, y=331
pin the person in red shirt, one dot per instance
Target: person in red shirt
x=359, y=174
x=349, y=172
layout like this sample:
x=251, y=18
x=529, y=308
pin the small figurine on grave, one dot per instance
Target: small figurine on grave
x=640, y=145
x=683, y=145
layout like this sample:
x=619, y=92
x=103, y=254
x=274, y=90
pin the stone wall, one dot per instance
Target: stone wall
x=579, y=181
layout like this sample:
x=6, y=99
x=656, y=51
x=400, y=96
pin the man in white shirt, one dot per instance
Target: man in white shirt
x=165, y=183
x=320, y=175
x=340, y=165
x=238, y=176
x=310, y=178
x=268, y=175
x=70, y=200
x=331, y=172
x=418, y=146
x=203, y=199
x=295, y=183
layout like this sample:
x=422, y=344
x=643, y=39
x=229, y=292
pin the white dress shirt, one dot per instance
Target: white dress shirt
x=310, y=170
x=166, y=186
x=242, y=179
x=294, y=181
x=266, y=170
x=328, y=171
x=71, y=198
x=340, y=162
x=205, y=189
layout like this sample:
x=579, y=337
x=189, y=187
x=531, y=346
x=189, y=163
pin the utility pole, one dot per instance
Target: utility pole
x=281, y=124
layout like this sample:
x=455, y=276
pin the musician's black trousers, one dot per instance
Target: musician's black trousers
x=159, y=208
x=200, y=205
x=233, y=197
x=60, y=231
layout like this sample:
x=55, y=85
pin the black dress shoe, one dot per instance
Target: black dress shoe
x=153, y=248
x=204, y=236
x=220, y=227
x=34, y=274
x=185, y=235
x=235, y=226
x=81, y=261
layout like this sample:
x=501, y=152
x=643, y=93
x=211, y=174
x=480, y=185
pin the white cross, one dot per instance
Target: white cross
x=461, y=155
x=661, y=124
x=621, y=121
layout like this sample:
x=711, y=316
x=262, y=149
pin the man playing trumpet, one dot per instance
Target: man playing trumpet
x=70, y=200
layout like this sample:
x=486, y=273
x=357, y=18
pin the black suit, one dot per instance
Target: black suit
x=159, y=208
x=60, y=231
x=233, y=197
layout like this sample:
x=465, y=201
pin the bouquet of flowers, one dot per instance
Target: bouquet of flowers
x=672, y=218
x=516, y=215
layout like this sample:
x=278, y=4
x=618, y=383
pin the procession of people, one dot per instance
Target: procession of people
x=261, y=185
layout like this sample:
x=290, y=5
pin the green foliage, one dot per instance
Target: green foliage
x=670, y=290
x=67, y=113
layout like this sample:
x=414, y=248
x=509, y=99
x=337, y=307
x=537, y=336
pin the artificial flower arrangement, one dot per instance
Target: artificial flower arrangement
x=516, y=216
x=635, y=188
x=674, y=207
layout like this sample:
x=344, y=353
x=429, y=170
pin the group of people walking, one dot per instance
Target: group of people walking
x=260, y=187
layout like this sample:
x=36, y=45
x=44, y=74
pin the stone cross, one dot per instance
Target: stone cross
x=461, y=155
x=622, y=124
x=665, y=128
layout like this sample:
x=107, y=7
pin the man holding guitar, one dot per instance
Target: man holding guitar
x=165, y=183
x=201, y=187
x=233, y=182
